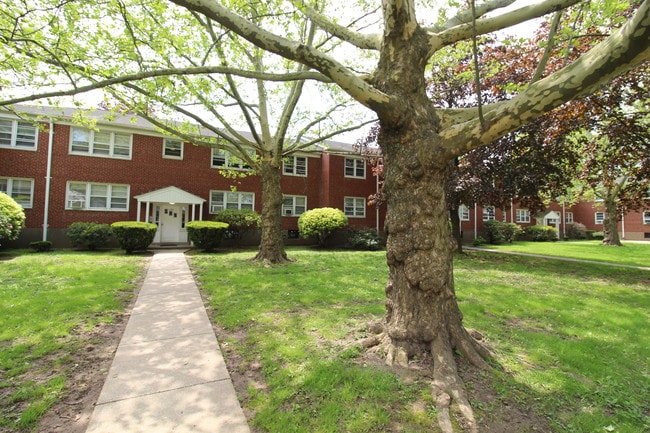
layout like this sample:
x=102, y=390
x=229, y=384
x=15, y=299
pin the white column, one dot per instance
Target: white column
x=146, y=212
x=201, y=212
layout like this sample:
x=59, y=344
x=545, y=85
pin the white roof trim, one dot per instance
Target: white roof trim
x=170, y=194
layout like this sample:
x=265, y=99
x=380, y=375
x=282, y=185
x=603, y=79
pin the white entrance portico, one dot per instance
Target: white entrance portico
x=170, y=208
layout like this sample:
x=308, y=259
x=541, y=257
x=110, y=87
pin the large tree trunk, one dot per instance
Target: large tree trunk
x=610, y=224
x=272, y=243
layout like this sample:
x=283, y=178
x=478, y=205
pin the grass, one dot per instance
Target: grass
x=47, y=300
x=570, y=340
x=632, y=253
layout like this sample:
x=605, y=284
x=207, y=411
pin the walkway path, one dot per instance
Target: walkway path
x=566, y=259
x=168, y=374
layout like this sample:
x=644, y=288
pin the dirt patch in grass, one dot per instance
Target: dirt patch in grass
x=495, y=414
x=86, y=371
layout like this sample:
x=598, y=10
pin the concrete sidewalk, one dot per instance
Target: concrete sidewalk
x=168, y=374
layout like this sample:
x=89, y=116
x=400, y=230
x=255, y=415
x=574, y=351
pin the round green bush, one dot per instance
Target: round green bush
x=240, y=222
x=12, y=218
x=134, y=235
x=541, y=233
x=89, y=235
x=206, y=235
x=320, y=223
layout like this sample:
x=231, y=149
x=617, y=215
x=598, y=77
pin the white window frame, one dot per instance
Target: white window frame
x=646, y=217
x=88, y=191
x=292, y=207
x=230, y=161
x=354, y=207
x=16, y=129
x=522, y=216
x=463, y=212
x=220, y=200
x=599, y=217
x=489, y=213
x=7, y=185
x=355, y=168
x=568, y=217
x=100, y=149
x=292, y=167
x=167, y=146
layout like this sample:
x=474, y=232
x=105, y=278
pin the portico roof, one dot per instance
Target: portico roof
x=170, y=194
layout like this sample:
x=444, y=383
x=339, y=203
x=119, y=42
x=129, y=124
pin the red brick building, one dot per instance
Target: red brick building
x=124, y=169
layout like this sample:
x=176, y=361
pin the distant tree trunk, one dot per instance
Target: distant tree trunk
x=271, y=248
x=610, y=224
x=456, y=229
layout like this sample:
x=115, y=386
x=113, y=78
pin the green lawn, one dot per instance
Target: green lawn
x=46, y=300
x=570, y=340
x=631, y=253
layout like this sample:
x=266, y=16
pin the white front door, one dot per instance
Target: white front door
x=170, y=223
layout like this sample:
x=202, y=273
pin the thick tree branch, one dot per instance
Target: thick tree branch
x=365, y=42
x=197, y=70
x=620, y=52
x=344, y=77
x=464, y=31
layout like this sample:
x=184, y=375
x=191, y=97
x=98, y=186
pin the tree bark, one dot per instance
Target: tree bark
x=271, y=248
x=610, y=224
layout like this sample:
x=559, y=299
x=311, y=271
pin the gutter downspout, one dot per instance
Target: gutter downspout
x=48, y=179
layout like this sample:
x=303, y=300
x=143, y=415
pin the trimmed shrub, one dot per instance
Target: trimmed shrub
x=240, y=222
x=89, y=235
x=320, y=223
x=41, y=246
x=479, y=241
x=364, y=239
x=206, y=235
x=134, y=235
x=576, y=231
x=498, y=232
x=541, y=233
x=12, y=218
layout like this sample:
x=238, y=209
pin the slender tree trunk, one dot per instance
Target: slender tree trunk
x=610, y=224
x=272, y=243
x=455, y=225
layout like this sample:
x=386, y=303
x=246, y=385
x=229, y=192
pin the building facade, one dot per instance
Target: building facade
x=124, y=169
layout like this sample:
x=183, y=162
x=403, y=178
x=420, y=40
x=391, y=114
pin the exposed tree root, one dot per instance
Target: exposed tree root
x=448, y=389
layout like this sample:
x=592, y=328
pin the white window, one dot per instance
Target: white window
x=172, y=148
x=646, y=217
x=463, y=212
x=568, y=217
x=104, y=143
x=220, y=200
x=355, y=207
x=355, y=167
x=97, y=196
x=294, y=205
x=599, y=217
x=295, y=166
x=522, y=216
x=489, y=213
x=21, y=190
x=17, y=134
x=226, y=160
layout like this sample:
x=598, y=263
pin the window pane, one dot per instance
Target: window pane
x=98, y=196
x=173, y=148
x=4, y=185
x=301, y=166
x=122, y=146
x=5, y=132
x=218, y=158
x=77, y=195
x=102, y=143
x=26, y=135
x=80, y=140
x=21, y=191
x=119, y=197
